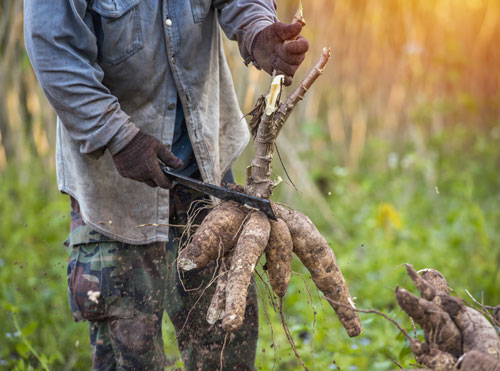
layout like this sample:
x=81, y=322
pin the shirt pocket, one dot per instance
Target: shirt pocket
x=118, y=29
x=200, y=9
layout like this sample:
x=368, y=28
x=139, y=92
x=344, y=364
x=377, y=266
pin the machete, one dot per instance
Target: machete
x=223, y=193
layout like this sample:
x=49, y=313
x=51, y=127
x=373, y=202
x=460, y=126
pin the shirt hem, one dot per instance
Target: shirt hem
x=114, y=237
x=237, y=154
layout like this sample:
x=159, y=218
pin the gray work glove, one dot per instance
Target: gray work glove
x=271, y=52
x=140, y=160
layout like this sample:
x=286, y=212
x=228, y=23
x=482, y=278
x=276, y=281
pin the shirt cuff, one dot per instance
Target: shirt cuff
x=122, y=137
x=246, y=51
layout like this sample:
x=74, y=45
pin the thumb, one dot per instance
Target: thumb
x=168, y=157
x=287, y=31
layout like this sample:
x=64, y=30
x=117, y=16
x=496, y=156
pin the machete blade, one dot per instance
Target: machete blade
x=222, y=193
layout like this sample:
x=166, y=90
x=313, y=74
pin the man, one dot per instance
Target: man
x=136, y=82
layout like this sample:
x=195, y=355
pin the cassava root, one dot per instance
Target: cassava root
x=251, y=244
x=216, y=235
x=314, y=252
x=293, y=231
x=279, y=257
x=456, y=336
x=218, y=303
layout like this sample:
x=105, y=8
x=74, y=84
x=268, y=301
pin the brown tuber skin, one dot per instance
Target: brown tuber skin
x=434, y=358
x=215, y=311
x=438, y=360
x=479, y=361
x=436, y=280
x=317, y=256
x=439, y=329
x=251, y=244
x=279, y=257
x=476, y=331
x=216, y=235
x=456, y=336
x=429, y=282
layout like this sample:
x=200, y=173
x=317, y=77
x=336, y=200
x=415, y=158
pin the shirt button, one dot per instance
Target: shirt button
x=168, y=22
x=171, y=106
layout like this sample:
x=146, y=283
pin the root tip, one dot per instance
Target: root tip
x=214, y=316
x=186, y=264
x=231, y=323
x=354, y=331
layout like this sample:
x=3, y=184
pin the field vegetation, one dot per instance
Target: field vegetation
x=394, y=155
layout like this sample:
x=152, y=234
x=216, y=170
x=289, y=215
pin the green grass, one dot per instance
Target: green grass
x=434, y=205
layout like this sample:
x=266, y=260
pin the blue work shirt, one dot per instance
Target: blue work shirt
x=112, y=67
x=181, y=147
x=181, y=144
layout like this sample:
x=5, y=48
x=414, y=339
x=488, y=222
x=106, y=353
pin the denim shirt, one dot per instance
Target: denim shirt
x=110, y=67
x=181, y=144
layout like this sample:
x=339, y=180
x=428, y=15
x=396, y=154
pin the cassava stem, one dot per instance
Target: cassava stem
x=272, y=119
x=286, y=108
x=258, y=182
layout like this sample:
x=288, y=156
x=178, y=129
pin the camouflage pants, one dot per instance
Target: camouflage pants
x=136, y=284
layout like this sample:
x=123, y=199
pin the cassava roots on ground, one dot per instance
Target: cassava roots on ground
x=457, y=337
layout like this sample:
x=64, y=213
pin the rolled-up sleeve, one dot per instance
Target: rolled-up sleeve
x=62, y=48
x=242, y=20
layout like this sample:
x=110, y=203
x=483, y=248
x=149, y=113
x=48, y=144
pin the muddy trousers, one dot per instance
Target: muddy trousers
x=136, y=284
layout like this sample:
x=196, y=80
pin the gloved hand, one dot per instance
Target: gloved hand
x=139, y=160
x=271, y=52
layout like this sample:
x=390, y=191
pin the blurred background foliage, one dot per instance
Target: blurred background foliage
x=394, y=153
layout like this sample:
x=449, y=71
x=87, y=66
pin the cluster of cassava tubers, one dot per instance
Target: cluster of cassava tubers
x=236, y=236
x=457, y=337
x=240, y=237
